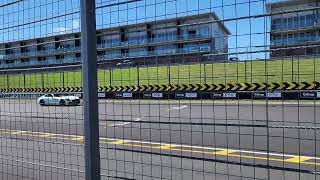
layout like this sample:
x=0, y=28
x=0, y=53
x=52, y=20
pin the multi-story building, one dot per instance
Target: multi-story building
x=183, y=39
x=295, y=28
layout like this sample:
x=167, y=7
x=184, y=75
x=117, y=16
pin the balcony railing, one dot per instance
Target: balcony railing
x=17, y=55
x=36, y=62
x=153, y=53
x=147, y=41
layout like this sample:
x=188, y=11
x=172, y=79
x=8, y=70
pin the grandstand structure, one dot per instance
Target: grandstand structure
x=295, y=28
x=176, y=40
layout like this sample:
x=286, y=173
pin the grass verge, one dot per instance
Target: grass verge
x=249, y=71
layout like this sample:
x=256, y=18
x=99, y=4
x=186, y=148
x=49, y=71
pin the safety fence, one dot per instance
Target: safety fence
x=159, y=89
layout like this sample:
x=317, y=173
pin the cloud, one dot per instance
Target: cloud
x=60, y=29
x=71, y=26
x=75, y=24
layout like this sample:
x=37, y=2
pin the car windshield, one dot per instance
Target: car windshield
x=57, y=95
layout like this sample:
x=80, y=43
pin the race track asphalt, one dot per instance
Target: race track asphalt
x=148, y=139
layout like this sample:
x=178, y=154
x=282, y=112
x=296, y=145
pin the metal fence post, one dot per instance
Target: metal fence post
x=42, y=81
x=169, y=74
x=205, y=73
x=63, y=79
x=110, y=77
x=90, y=89
x=138, y=75
x=24, y=80
x=292, y=71
x=7, y=78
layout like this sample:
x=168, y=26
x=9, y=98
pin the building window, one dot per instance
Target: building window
x=204, y=47
x=290, y=23
x=290, y=39
x=310, y=36
x=192, y=33
x=137, y=52
x=42, y=58
x=309, y=20
x=296, y=22
x=296, y=37
x=166, y=49
x=276, y=24
x=302, y=37
x=284, y=24
x=24, y=60
x=9, y=61
x=204, y=31
x=284, y=39
x=59, y=57
x=273, y=24
x=277, y=39
x=302, y=22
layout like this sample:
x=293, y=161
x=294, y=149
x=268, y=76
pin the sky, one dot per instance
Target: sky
x=28, y=19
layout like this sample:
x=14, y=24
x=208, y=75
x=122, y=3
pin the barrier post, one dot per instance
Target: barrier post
x=90, y=89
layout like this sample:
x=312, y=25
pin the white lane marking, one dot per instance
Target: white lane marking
x=119, y=124
x=67, y=136
x=125, y=123
x=41, y=164
x=175, y=108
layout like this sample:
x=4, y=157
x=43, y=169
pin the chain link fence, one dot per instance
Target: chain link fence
x=187, y=89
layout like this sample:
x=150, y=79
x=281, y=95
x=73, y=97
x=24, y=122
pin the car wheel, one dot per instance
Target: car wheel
x=62, y=103
x=42, y=103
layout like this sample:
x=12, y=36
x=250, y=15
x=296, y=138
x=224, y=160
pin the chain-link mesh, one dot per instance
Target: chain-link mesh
x=188, y=89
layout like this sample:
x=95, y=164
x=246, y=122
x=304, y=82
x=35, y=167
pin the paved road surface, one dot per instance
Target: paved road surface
x=164, y=140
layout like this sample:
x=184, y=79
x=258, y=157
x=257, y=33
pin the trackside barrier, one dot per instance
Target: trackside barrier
x=280, y=95
x=272, y=86
x=19, y=95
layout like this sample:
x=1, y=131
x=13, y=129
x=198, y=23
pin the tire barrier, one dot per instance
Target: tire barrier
x=273, y=86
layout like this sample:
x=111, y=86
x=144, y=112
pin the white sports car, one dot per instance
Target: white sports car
x=61, y=100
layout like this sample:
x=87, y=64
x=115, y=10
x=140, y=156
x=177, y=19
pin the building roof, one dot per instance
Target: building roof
x=284, y=3
x=182, y=18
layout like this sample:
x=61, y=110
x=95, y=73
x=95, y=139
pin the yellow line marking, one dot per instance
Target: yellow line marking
x=298, y=159
x=227, y=153
x=77, y=138
x=224, y=152
x=45, y=135
x=165, y=147
x=256, y=157
x=117, y=142
x=170, y=147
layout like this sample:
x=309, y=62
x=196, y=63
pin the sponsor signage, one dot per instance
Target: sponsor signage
x=180, y=95
x=259, y=94
x=215, y=95
x=77, y=94
x=118, y=94
x=101, y=95
x=318, y=94
x=274, y=94
x=157, y=95
x=191, y=95
x=148, y=95
x=127, y=95
x=308, y=94
x=230, y=95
